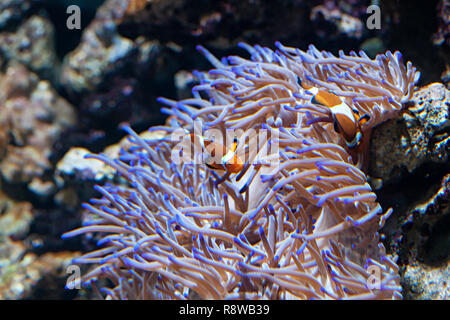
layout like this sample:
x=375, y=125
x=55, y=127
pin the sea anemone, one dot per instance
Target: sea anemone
x=299, y=221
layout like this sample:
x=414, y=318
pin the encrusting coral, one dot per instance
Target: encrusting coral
x=299, y=221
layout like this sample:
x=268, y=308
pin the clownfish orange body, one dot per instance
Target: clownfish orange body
x=345, y=119
x=219, y=157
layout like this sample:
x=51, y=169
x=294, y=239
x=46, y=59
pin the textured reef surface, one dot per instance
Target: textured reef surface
x=87, y=170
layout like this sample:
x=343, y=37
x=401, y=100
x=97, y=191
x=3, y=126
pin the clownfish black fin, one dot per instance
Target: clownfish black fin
x=214, y=167
x=234, y=145
x=336, y=126
x=300, y=83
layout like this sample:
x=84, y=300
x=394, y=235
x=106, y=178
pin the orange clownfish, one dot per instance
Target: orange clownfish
x=345, y=119
x=218, y=157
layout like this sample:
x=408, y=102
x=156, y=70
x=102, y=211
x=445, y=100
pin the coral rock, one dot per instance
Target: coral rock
x=15, y=218
x=32, y=118
x=20, y=277
x=74, y=163
x=417, y=138
x=12, y=10
x=103, y=52
x=32, y=45
x=427, y=283
x=442, y=36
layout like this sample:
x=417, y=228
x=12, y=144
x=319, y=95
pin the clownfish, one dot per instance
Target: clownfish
x=346, y=120
x=229, y=161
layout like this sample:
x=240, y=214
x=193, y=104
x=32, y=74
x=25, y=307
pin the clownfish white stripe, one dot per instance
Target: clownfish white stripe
x=226, y=158
x=313, y=90
x=343, y=109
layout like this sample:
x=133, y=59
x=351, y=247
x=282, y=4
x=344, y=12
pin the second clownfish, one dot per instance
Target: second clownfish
x=218, y=156
x=346, y=120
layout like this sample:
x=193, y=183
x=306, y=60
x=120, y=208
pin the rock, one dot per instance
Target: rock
x=15, y=221
x=442, y=36
x=336, y=21
x=112, y=78
x=32, y=44
x=12, y=11
x=11, y=253
x=445, y=77
x=408, y=162
x=103, y=53
x=184, y=81
x=418, y=234
x=75, y=164
x=99, y=55
x=15, y=218
x=32, y=119
x=43, y=189
x=414, y=139
x=427, y=283
x=424, y=229
x=76, y=175
x=21, y=277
